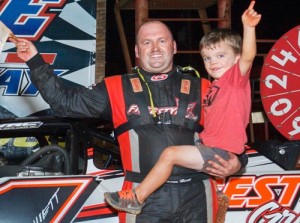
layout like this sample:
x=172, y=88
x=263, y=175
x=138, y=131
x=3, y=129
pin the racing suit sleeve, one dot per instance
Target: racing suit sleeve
x=65, y=101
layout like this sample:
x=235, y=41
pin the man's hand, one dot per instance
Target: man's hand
x=25, y=49
x=250, y=17
x=226, y=168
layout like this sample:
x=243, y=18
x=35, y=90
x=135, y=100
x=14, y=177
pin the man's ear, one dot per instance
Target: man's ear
x=174, y=46
x=136, y=50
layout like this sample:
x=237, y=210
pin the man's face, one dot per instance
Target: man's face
x=155, y=48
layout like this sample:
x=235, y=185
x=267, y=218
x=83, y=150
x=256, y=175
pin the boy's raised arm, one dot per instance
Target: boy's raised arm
x=250, y=19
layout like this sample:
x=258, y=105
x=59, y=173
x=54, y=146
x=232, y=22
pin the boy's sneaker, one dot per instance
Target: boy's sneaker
x=223, y=204
x=124, y=201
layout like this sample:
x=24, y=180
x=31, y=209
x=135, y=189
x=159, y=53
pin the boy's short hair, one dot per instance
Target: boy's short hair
x=218, y=35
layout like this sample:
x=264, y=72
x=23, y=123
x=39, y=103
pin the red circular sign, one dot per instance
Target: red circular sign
x=280, y=84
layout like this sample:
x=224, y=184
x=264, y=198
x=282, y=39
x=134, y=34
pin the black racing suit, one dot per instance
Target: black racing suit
x=188, y=195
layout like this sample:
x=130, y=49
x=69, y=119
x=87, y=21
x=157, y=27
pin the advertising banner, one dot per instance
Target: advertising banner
x=64, y=32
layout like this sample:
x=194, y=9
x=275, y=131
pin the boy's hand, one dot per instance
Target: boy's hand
x=25, y=49
x=250, y=16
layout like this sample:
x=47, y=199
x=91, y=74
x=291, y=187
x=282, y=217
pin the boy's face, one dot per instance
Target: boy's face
x=218, y=59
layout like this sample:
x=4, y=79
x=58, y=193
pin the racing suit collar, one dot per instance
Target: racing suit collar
x=150, y=77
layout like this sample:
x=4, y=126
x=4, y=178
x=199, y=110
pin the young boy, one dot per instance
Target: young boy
x=227, y=60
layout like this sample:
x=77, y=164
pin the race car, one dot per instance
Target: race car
x=56, y=170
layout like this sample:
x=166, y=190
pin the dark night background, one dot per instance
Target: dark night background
x=278, y=17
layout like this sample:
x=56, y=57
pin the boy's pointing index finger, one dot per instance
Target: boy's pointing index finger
x=252, y=3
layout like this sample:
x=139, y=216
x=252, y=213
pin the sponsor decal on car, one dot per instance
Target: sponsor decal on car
x=22, y=125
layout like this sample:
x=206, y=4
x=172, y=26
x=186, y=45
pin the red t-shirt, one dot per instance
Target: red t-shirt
x=226, y=111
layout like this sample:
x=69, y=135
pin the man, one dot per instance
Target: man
x=228, y=60
x=157, y=106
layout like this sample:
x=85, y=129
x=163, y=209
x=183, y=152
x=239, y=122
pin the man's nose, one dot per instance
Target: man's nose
x=155, y=46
